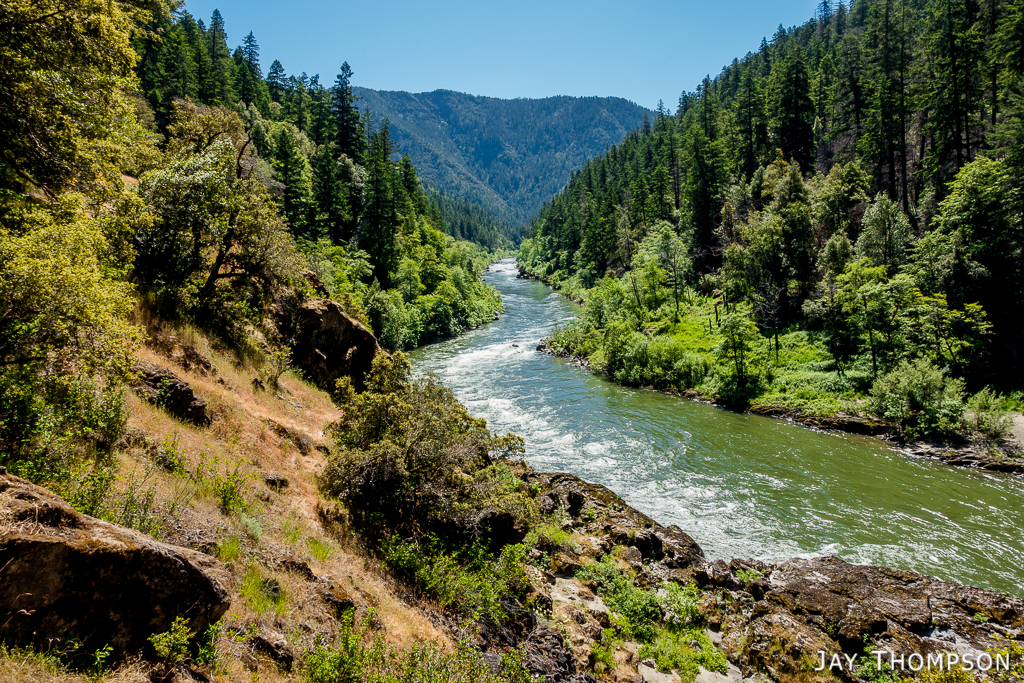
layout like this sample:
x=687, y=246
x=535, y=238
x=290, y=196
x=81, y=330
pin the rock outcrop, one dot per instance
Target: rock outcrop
x=773, y=621
x=803, y=607
x=66, y=575
x=597, y=511
x=328, y=344
x=161, y=387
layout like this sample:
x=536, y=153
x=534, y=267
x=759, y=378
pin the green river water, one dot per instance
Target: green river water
x=741, y=485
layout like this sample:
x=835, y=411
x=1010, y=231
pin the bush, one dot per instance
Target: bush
x=411, y=459
x=467, y=580
x=672, y=650
x=172, y=645
x=986, y=415
x=351, y=660
x=637, y=611
x=919, y=399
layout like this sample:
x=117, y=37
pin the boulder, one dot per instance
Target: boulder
x=273, y=644
x=328, y=344
x=678, y=549
x=826, y=604
x=66, y=575
x=781, y=645
x=565, y=564
x=336, y=598
x=161, y=387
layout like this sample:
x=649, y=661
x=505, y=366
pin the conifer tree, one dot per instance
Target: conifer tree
x=792, y=109
x=349, y=136
x=379, y=221
x=330, y=195
x=276, y=81
x=292, y=170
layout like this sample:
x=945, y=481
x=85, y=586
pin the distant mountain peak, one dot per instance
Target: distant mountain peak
x=509, y=156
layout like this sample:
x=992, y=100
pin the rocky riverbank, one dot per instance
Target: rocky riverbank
x=772, y=621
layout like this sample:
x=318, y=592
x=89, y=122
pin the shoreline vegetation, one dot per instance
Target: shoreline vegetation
x=1000, y=454
x=831, y=226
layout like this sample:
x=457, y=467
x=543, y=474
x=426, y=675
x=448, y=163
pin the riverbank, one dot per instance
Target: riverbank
x=826, y=411
x=773, y=620
x=978, y=453
x=281, y=584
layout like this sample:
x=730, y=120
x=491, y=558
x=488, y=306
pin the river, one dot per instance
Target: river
x=741, y=485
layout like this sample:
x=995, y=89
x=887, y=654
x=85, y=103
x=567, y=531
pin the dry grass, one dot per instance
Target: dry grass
x=26, y=667
x=190, y=512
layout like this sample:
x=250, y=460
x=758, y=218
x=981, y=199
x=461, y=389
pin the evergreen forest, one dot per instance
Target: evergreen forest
x=834, y=223
x=509, y=156
x=360, y=217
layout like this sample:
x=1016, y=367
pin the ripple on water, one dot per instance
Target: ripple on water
x=741, y=485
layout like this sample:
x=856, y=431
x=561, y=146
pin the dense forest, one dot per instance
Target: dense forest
x=467, y=220
x=834, y=215
x=509, y=156
x=163, y=177
x=363, y=221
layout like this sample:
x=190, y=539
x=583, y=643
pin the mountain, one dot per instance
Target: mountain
x=510, y=156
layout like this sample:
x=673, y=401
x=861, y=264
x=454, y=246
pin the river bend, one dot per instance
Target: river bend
x=741, y=485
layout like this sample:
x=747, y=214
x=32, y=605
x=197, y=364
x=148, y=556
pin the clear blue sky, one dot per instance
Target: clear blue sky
x=517, y=48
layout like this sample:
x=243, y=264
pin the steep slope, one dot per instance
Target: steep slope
x=508, y=155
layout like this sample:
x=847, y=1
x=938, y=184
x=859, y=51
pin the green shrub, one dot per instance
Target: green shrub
x=352, y=660
x=469, y=580
x=680, y=604
x=919, y=399
x=671, y=650
x=343, y=663
x=986, y=415
x=172, y=645
x=748, y=575
x=410, y=458
x=637, y=611
x=253, y=528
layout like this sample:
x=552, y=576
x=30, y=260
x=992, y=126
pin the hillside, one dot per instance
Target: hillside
x=508, y=155
x=831, y=222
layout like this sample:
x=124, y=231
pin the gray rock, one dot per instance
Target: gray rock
x=161, y=387
x=66, y=575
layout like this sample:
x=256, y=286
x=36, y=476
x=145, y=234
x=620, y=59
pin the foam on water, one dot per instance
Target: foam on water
x=741, y=485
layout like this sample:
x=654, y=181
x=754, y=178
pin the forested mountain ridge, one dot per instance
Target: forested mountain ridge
x=854, y=186
x=507, y=155
x=358, y=214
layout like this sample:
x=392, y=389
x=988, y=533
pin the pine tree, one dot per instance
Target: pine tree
x=292, y=170
x=379, y=222
x=321, y=130
x=750, y=121
x=223, y=67
x=251, y=52
x=954, y=94
x=330, y=196
x=178, y=66
x=276, y=81
x=349, y=136
x=888, y=52
x=792, y=108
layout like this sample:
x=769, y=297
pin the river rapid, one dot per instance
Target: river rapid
x=741, y=485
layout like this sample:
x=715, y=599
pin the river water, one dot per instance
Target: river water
x=741, y=485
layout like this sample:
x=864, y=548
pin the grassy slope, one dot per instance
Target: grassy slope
x=188, y=510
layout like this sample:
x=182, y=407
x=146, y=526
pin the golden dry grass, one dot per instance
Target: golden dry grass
x=186, y=503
